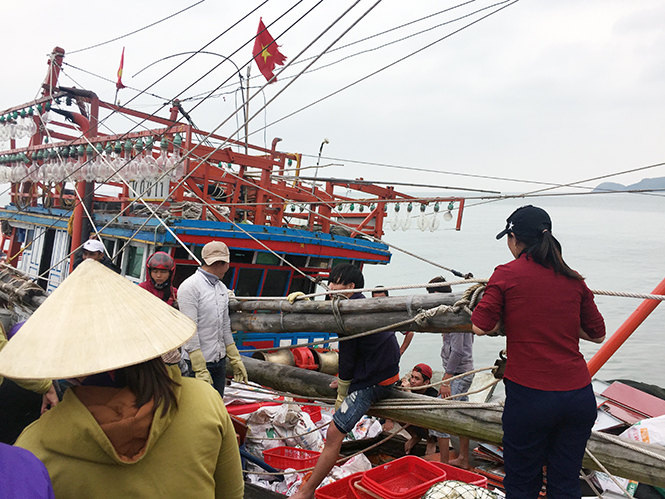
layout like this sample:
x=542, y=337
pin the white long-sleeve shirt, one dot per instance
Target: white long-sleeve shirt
x=204, y=298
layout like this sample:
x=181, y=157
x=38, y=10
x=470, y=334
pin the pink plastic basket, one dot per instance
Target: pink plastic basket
x=290, y=457
x=341, y=489
x=454, y=473
x=405, y=478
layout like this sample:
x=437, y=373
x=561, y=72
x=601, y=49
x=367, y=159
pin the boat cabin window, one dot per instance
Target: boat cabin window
x=248, y=281
x=134, y=261
x=112, y=246
x=181, y=253
x=296, y=260
x=242, y=257
x=275, y=283
x=340, y=261
x=318, y=263
x=197, y=252
x=263, y=258
x=301, y=283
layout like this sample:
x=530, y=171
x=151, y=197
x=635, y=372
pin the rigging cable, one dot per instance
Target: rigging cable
x=190, y=152
x=387, y=66
x=404, y=38
x=179, y=65
x=376, y=35
x=573, y=184
x=138, y=30
x=227, y=140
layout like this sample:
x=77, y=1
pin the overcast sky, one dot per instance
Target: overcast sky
x=549, y=91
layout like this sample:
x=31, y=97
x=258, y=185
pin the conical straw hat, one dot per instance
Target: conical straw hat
x=95, y=321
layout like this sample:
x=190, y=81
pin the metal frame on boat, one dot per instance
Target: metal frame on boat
x=285, y=231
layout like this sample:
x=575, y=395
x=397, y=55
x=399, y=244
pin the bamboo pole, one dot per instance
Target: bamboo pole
x=482, y=424
x=353, y=323
x=409, y=303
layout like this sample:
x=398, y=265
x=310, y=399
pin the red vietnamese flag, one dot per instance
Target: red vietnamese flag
x=266, y=53
x=118, y=84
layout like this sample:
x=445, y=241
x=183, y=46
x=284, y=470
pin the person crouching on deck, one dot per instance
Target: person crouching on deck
x=421, y=375
x=368, y=367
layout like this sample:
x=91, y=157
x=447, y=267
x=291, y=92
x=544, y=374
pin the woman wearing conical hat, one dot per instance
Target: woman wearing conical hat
x=151, y=434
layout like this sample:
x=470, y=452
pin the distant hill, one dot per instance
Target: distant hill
x=645, y=183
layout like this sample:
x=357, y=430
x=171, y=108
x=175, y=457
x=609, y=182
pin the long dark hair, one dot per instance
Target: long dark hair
x=546, y=251
x=147, y=381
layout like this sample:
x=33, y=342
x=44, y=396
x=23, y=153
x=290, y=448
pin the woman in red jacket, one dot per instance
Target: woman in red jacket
x=545, y=308
x=159, y=278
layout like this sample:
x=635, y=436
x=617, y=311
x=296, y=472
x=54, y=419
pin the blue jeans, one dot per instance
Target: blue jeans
x=460, y=385
x=545, y=428
x=356, y=404
x=217, y=372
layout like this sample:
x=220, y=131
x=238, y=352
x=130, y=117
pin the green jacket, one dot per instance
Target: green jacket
x=192, y=452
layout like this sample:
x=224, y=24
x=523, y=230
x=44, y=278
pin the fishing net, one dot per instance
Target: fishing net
x=452, y=489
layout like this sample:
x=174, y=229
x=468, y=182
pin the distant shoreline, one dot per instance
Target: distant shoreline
x=644, y=184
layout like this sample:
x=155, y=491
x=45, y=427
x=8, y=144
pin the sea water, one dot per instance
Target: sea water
x=616, y=241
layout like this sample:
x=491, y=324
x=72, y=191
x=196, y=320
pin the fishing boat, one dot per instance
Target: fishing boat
x=167, y=186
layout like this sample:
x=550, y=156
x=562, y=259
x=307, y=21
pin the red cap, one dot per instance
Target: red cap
x=425, y=370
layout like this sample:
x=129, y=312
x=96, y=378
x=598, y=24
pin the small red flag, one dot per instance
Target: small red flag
x=118, y=84
x=266, y=53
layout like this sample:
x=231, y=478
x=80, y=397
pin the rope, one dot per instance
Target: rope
x=600, y=465
x=273, y=392
x=602, y=292
x=643, y=296
x=587, y=479
x=628, y=445
x=337, y=314
x=312, y=404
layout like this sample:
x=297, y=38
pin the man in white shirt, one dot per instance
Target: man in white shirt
x=203, y=297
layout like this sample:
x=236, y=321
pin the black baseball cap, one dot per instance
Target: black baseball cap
x=527, y=221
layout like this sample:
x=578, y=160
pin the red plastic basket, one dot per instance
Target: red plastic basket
x=408, y=477
x=341, y=489
x=454, y=473
x=290, y=457
x=358, y=494
x=314, y=412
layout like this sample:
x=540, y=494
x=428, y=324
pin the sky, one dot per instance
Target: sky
x=542, y=91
